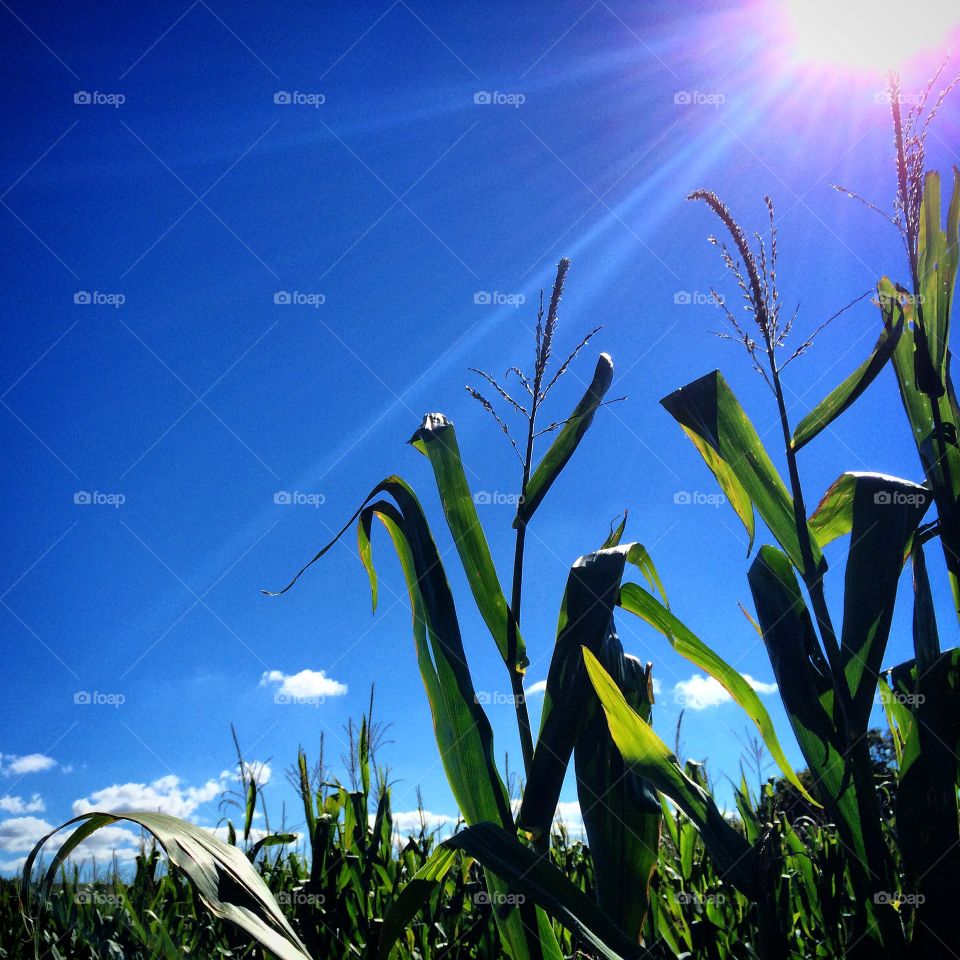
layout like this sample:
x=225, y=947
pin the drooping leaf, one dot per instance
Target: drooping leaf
x=838, y=760
x=805, y=684
x=586, y=619
x=437, y=440
x=885, y=513
x=843, y=396
x=652, y=759
x=536, y=879
x=621, y=811
x=716, y=423
x=927, y=814
x=462, y=729
x=636, y=600
x=225, y=880
x=567, y=440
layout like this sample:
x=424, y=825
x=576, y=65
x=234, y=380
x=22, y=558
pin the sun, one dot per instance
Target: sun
x=871, y=34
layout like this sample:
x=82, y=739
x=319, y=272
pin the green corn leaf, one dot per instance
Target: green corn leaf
x=616, y=533
x=306, y=793
x=463, y=732
x=922, y=362
x=885, y=513
x=536, y=879
x=437, y=440
x=567, y=441
x=843, y=396
x=225, y=880
x=621, y=811
x=411, y=899
x=833, y=517
x=652, y=759
x=636, y=600
x=805, y=684
x=712, y=417
x=927, y=814
x=586, y=619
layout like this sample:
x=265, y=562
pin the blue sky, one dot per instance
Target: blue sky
x=178, y=202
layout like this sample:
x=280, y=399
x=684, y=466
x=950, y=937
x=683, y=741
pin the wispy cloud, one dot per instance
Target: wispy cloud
x=12, y=765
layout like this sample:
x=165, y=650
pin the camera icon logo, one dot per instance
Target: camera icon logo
x=682, y=497
x=281, y=296
x=682, y=297
x=482, y=96
x=882, y=497
x=683, y=97
x=282, y=96
x=482, y=297
x=82, y=96
x=282, y=497
x=81, y=697
x=82, y=497
x=82, y=297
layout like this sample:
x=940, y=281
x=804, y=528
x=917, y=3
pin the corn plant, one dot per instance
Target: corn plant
x=828, y=678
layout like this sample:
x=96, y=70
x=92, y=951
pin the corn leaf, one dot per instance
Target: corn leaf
x=586, y=619
x=437, y=440
x=536, y=879
x=885, y=513
x=621, y=811
x=652, y=759
x=636, y=600
x=716, y=423
x=843, y=396
x=225, y=880
x=567, y=441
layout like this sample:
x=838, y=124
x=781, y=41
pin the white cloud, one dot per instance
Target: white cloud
x=539, y=687
x=21, y=834
x=30, y=763
x=406, y=822
x=10, y=804
x=657, y=687
x=165, y=795
x=569, y=814
x=701, y=693
x=307, y=685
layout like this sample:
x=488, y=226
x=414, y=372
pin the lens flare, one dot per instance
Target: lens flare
x=871, y=34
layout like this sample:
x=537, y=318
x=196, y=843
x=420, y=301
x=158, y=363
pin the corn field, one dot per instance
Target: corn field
x=847, y=858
